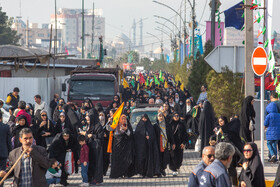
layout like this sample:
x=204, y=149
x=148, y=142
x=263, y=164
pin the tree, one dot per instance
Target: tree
x=7, y=35
x=199, y=71
x=224, y=92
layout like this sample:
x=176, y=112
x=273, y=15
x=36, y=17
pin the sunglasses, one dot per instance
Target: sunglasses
x=43, y=115
x=210, y=156
x=247, y=150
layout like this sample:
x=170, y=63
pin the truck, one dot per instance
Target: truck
x=96, y=84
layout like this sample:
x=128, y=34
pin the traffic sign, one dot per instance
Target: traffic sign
x=259, y=61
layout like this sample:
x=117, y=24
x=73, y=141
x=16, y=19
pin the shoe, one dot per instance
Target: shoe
x=175, y=173
x=84, y=184
x=163, y=173
x=273, y=159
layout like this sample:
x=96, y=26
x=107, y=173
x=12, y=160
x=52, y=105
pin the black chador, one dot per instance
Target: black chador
x=146, y=149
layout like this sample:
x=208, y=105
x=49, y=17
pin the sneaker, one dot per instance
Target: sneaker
x=273, y=158
x=84, y=184
x=175, y=174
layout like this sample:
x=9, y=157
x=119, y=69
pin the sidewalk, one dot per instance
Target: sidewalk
x=191, y=159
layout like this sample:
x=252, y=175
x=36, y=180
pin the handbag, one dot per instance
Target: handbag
x=252, y=126
x=197, y=147
x=69, y=163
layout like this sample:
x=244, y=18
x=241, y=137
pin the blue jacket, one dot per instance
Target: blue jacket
x=215, y=175
x=196, y=174
x=272, y=122
x=5, y=141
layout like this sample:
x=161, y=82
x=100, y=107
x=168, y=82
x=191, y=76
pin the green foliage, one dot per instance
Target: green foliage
x=7, y=35
x=199, y=71
x=224, y=92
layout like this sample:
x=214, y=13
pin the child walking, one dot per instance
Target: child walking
x=84, y=159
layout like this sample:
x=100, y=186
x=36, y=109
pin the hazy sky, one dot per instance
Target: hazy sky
x=119, y=14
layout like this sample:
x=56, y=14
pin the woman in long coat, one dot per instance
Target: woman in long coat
x=165, y=141
x=206, y=124
x=122, y=149
x=146, y=149
x=247, y=114
x=180, y=137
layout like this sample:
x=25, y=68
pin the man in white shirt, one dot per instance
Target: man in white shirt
x=39, y=104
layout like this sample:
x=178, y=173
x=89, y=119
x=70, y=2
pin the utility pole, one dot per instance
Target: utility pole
x=83, y=28
x=193, y=25
x=185, y=32
x=249, y=47
x=92, y=30
x=213, y=22
x=27, y=34
x=55, y=37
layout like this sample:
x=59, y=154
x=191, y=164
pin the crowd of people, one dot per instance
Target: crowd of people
x=86, y=132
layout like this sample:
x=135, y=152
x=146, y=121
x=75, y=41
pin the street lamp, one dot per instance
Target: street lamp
x=161, y=44
x=184, y=21
x=83, y=29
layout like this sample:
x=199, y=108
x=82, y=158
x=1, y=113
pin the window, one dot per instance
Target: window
x=40, y=34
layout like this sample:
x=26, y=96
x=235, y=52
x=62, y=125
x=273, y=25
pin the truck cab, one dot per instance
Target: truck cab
x=97, y=84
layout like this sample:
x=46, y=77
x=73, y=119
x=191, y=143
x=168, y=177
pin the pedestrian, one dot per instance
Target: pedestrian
x=94, y=133
x=229, y=132
x=63, y=123
x=83, y=160
x=45, y=130
x=206, y=124
x=53, y=173
x=122, y=149
x=252, y=173
x=21, y=123
x=208, y=156
x=13, y=98
x=31, y=169
x=203, y=94
x=63, y=143
x=39, y=104
x=54, y=103
x=22, y=111
x=5, y=144
x=165, y=141
x=146, y=149
x=215, y=175
x=247, y=118
x=180, y=139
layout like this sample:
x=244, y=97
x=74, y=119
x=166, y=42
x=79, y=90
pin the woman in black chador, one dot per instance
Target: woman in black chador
x=206, y=124
x=247, y=114
x=180, y=137
x=165, y=141
x=122, y=151
x=95, y=142
x=146, y=149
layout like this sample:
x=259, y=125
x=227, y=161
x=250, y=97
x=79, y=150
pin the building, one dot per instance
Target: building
x=70, y=23
x=38, y=37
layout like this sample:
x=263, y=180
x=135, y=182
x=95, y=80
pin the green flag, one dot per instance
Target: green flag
x=147, y=81
x=156, y=80
x=278, y=88
x=160, y=77
x=132, y=83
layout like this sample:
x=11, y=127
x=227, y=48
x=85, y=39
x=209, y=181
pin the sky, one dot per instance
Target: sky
x=119, y=14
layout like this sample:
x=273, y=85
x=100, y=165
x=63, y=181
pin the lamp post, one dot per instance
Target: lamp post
x=184, y=46
x=161, y=45
x=83, y=29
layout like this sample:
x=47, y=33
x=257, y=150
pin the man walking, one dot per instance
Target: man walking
x=31, y=169
x=5, y=144
x=208, y=156
x=203, y=94
x=215, y=174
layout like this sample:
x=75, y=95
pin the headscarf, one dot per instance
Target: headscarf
x=256, y=168
x=123, y=120
x=247, y=110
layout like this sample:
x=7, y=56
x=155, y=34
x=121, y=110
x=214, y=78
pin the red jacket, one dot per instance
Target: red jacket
x=28, y=117
x=84, y=154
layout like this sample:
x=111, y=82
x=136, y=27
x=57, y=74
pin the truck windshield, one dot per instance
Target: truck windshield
x=91, y=88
